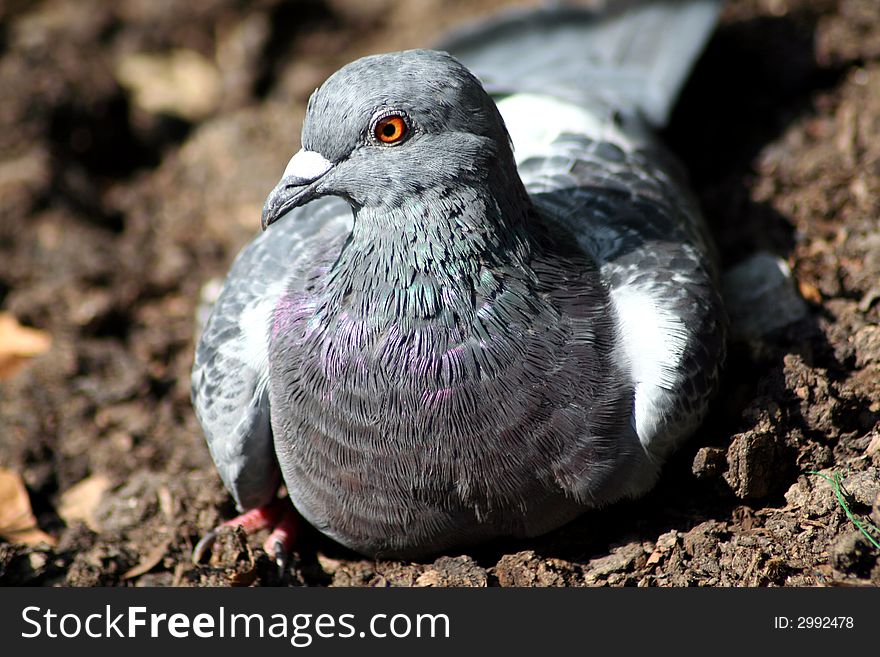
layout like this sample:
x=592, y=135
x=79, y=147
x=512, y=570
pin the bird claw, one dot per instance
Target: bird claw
x=280, y=552
x=204, y=546
x=281, y=540
x=279, y=515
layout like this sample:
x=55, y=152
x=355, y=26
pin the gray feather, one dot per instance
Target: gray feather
x=636, y=54
x=230, y=385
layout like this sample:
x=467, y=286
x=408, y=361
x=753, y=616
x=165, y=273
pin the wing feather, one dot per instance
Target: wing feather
x=231, y=371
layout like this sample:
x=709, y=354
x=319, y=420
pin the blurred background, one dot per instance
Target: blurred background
x=138, y=140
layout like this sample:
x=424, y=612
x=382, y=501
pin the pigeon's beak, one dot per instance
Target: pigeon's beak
x=297, y=185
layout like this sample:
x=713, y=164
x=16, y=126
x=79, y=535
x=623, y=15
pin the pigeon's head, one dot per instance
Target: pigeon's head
x=386, y=128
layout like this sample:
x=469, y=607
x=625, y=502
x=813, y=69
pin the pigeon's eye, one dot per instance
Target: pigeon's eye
x=390, y=129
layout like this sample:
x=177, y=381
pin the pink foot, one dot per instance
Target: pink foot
x=279, y=516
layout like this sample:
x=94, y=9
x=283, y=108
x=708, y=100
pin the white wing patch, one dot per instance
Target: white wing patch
x=653, y=341
x=255, y=322
x=534, y=122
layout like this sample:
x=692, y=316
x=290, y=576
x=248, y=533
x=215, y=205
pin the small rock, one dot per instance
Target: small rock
x=37, y=561
x=709, y=463
x=665, y=543
x=528, y=569
x=863, y=487
x=867, y=345
x=622, y=559
x=812, y=495
x=701, y=545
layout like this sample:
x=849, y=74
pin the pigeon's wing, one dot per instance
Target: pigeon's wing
x=648, y=238
x=231, y=371
x=579, y=108
x=636, y=53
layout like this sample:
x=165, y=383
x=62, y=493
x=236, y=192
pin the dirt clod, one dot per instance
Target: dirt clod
x=853, y=554
x=709, y=462
x=754, y=462
x=453, y=571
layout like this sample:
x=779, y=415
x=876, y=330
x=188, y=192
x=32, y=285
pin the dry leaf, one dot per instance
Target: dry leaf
x=80, y=501
x=149, y=561
x=18, y=344
x=17, y=522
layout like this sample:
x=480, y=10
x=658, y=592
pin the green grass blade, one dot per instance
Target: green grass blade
x=841, y=498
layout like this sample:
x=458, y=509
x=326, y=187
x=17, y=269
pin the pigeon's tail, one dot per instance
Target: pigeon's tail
x=631, y=53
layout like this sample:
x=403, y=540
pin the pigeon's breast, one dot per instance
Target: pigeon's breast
x=396, y=440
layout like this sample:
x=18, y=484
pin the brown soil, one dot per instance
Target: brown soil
x=113, y=216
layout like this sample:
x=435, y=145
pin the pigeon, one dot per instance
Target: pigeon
x=483, y=301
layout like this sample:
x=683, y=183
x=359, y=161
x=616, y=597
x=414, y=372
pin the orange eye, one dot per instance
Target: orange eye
x=391, y=129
